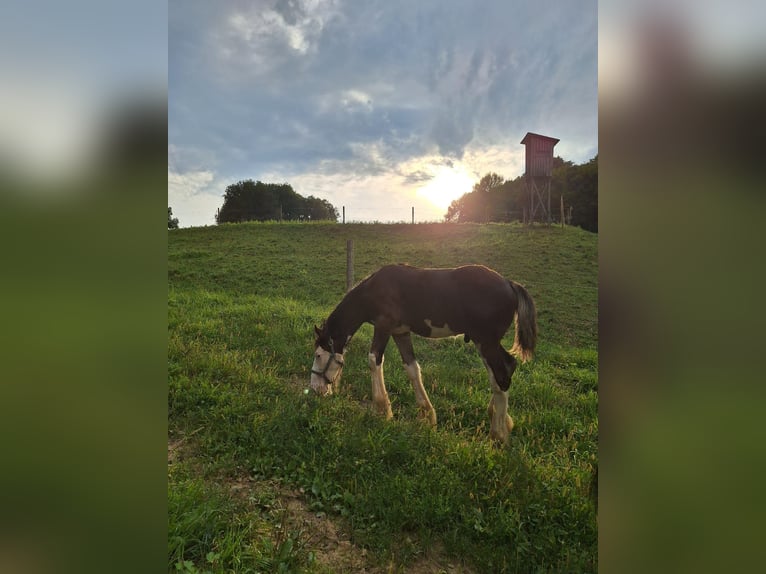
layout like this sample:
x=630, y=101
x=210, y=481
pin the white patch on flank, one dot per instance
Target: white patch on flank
x=439, y=332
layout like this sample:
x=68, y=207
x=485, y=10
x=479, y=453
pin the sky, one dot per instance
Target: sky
x=375, y=106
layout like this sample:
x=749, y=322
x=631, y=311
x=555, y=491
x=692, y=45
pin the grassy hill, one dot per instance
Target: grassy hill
x=263, y=477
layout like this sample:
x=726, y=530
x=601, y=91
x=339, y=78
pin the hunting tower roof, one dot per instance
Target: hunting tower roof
x=532, y=136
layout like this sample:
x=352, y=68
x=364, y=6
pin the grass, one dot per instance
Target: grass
x=243, y=300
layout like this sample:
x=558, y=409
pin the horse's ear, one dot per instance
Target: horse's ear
x=317, y=331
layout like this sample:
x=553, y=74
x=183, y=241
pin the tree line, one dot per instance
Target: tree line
x=250, y=200
x=494, y=198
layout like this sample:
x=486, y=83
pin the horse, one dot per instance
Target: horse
x=399, y=299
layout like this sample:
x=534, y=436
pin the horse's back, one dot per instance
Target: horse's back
x=471, y=299
x=486, y=296
x=472, y=281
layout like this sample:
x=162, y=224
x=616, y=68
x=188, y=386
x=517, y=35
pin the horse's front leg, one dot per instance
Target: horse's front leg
x=425, y=408
x=375, y=360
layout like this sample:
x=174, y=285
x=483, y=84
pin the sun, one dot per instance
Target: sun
x=447, y=185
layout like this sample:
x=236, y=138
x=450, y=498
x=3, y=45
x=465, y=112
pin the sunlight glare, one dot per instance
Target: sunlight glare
x=448, y=184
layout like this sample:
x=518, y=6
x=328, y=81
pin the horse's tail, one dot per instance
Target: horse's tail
x=526, y=324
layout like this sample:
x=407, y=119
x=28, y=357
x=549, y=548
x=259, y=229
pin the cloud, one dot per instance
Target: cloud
x=185, y=185
x=252, y=40
x=195, y=196
x=417, y=177
x=368, y=89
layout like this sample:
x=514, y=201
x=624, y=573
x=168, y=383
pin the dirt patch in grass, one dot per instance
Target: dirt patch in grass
x=318, y=532
x=175, y=453
x=179, y=446
x=333, y=548
x=330, y=541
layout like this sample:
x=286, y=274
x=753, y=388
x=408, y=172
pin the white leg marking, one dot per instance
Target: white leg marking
x=379, y=394
x=427, y=411
x=500, y=423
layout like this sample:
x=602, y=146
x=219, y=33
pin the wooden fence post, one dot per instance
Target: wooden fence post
x=562, y=212
x=349, y=264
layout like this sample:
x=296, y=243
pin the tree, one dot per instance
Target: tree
x=172, y=221
x=257, y=201
x=321, y=209
x=515, y=200
x=582, y=194
x=480, y=204
x=494, y=199
x=488, y=183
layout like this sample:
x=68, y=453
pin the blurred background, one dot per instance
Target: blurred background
x=83, y=290
x=682, y=96
x=83, y=160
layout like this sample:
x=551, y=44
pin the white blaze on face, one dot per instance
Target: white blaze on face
x=318, y=382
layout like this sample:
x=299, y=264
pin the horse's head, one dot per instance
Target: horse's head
x=328, y=365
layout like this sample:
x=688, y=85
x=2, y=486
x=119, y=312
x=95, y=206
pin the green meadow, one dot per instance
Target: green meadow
x=264, y=477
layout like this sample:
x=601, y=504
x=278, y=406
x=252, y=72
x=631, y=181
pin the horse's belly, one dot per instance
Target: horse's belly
x=401, y=330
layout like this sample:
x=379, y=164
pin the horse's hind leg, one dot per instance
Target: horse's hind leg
x=426, y=409
x=500, y=366
x=375, y=360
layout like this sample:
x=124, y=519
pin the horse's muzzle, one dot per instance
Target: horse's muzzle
x=320, y=386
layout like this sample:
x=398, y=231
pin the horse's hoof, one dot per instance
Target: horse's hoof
x=497, y=440
x=383, y=408
x=500, y=436
x=427, y=416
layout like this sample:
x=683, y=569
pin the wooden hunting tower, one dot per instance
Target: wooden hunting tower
x=537, y=175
